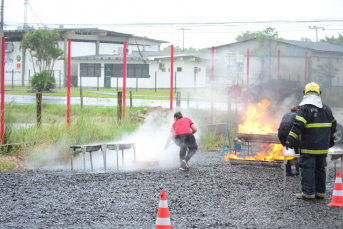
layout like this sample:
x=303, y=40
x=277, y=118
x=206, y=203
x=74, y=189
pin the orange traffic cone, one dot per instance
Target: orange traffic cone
x=163, y=219
x=337, y=195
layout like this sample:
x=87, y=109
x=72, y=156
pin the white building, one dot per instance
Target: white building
x=84, y=42
x=144, y=70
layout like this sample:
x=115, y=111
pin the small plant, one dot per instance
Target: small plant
x=43, y=81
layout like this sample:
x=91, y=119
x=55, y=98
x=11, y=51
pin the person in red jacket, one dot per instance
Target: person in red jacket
x=182, y=134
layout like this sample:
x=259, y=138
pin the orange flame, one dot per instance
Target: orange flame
x=255, y=122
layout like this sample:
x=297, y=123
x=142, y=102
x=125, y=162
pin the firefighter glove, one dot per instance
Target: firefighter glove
x=332, y=142
x=289, y=145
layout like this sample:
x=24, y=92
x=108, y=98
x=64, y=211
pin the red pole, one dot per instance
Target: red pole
x=124, y=81
x=171, y=76
x=3, y=91
x=278, y=83
x=68, y=86
x=305, y=68
x=212, y=84
x=247, y=93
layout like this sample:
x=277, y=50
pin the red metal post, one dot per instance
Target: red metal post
x=305, y=68
x=124, y=81
x=247, y=92
x=212, y=84
x=278, y=83
x=171, y=76
x=3, y=91
x=68, y=85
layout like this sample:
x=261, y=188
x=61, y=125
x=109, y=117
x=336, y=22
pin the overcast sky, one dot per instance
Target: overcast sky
x=114, y=15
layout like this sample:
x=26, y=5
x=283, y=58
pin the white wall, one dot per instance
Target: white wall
x=185, y=79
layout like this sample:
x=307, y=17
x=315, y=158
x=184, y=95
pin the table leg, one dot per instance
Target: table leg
x=122, y=157
x=71, y=159
x=90, y=155
x=328, y=160
x=134, y=151
x=103, y=149
x=83, y=149
x=117, y=149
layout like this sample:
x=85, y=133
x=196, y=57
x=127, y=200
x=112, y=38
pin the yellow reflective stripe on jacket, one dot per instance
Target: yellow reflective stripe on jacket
x=294, y=135
x=301, y=119
x=318, y=125
x=333, y=135
x=310, y=151
x=334, y=120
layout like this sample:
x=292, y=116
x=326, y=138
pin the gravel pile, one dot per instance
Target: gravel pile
x=211, y=195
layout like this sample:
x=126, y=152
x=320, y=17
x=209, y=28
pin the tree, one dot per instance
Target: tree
x=333, y=40
x=305, y=39
x=324, y=73
x=42, y=45
x=247, y=35
x=176, y=49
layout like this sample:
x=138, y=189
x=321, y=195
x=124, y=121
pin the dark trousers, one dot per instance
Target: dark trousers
x=313, y=176
x=186, y=141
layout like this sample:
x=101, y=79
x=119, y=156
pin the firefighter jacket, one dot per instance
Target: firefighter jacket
x=316, y=126
x=286, y=126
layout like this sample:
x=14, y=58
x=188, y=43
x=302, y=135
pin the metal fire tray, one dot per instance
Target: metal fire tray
x=103, y=147
x=273, y=164
x=256, y=138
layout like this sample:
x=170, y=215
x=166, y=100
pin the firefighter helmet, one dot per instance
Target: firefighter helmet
x=312, y=87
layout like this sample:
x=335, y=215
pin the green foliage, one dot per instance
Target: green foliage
x=334, y=40
x=43, y=48
x=43, y=81
x=247, y=35
x=176, y=49
x=190, y=49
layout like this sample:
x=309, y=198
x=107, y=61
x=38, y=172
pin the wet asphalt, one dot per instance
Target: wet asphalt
x=212, y=194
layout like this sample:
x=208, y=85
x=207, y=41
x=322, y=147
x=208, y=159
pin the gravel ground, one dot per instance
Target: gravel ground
x=211, y=195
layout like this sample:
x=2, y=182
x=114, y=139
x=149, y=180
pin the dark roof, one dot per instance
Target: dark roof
x=80, y=31
x=317, y=46
x=147, y=55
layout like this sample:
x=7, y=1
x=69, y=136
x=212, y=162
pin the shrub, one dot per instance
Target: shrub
x=43, y=81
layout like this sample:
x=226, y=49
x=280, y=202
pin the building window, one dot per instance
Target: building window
x=138, y=71
x=179, y=69
x=164, y=69
x=114, y=70
x=90, y=70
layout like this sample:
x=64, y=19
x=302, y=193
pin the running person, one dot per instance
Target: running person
x=182, y=134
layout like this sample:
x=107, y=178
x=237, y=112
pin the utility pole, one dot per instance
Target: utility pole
x=1, y=32
x=183, y=46
x=316, y=28
x=25, y=14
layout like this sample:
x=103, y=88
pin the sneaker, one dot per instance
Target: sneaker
x=303, y=197
x=184, y=165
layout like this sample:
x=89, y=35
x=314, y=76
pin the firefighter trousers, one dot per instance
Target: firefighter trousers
x=313, y=176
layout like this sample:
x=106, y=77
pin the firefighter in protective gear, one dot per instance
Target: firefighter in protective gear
x=317, y=126
x=283, y=131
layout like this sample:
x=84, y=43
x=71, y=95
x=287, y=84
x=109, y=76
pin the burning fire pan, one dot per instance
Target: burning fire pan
x=95, y=147
x=273, y=164
x=261, y=138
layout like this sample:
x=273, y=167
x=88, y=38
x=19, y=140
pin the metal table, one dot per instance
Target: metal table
x=103, y=147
